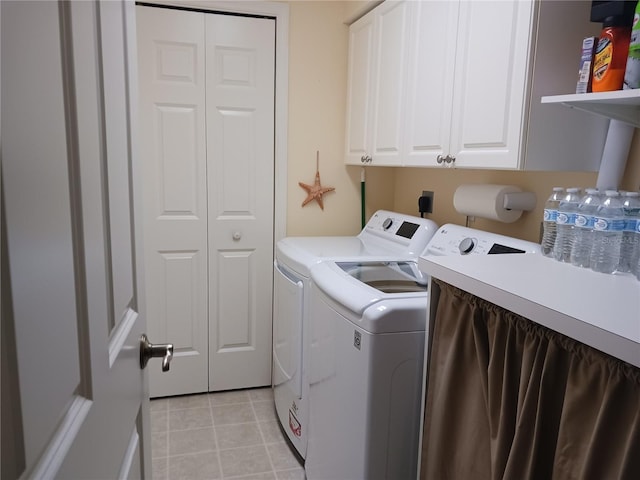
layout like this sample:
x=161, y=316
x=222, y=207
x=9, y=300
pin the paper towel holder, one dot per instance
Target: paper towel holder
x=523, y=201
x=503, y=203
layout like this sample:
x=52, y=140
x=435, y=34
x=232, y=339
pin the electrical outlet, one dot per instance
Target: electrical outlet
x=425, y=202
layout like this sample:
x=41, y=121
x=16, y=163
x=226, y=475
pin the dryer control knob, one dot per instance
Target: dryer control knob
x=387, y=223
x=466, y=246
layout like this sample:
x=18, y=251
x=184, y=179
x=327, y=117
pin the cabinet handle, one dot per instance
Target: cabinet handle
x=366, y=159
x=451, y=159
x=439, y=159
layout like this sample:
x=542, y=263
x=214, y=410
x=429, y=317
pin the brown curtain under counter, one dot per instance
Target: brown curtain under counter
x=510, y=399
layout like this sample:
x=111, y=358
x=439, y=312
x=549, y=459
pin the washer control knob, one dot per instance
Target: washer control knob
x=387, y=223
x=466, y=246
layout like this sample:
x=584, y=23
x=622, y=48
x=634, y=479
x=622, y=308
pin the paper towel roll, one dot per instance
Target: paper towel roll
x=485, y=201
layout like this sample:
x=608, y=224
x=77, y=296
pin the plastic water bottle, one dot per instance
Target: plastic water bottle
x=565, y=224
x=607, y=238
x=637, y=259
x=637, y=263
x=585, y=217
x=630, y=239
x=549, y=221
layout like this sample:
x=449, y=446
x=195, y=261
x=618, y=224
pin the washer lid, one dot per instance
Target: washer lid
x=300, y=253
x=373, y=309
x=387, y=277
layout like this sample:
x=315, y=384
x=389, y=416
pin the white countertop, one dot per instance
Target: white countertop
x=602, y=311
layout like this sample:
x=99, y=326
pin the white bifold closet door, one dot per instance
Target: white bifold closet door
x=207, y=141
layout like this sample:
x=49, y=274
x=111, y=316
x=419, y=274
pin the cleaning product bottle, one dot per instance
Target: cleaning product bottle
x=611, y=55
x=632, y=72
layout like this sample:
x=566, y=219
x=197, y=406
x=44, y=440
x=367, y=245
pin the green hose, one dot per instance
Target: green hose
x=362, y=199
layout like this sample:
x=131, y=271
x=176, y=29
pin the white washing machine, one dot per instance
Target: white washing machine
x=388, y=236
x=367, y=328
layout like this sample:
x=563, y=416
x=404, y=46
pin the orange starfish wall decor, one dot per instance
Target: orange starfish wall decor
x=315, y=191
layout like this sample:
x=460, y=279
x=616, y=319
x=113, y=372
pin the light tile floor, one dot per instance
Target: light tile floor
x=226, y=435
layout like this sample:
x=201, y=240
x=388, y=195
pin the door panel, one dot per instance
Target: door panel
x=117, y=146
x=67, y=180
x=391, y=63
x=207, y=110
x=39, y=222
x=236, y=330
x=491, y=75
x=359, y=89
x=430, y=96
x=173, y=149
x=240, y=146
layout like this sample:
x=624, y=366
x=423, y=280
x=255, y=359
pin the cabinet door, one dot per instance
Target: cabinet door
x=378, y=58
x=359, y=89
x=490, y=83
x=430, y=81
x=389, y=73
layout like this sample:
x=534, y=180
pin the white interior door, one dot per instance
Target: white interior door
x=240, y=146
x=207, y=122
x=173, y=149
x=80, y=409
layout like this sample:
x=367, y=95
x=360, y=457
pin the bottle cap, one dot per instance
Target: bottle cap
x=617, y=21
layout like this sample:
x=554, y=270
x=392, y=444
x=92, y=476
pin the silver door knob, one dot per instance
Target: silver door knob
x=149, y=350
x=439, y=159
x=237, y=236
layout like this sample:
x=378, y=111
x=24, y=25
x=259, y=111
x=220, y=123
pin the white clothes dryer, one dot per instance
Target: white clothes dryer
x=388, y=236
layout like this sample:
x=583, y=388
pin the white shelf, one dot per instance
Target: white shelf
x=623, y=105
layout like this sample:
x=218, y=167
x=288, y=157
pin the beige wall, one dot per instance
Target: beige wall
x=317, y=89
x=410, y=182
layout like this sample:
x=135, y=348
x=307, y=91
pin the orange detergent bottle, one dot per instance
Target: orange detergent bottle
x=611, y=55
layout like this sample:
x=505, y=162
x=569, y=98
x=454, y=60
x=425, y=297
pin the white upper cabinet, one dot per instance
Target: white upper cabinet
x=377, y=69
x=430, y=82
x=470, y=75
x=467, y=82
x=492, y=50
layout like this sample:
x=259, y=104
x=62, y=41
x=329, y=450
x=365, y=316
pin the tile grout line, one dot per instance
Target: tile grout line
x=166, y=447
x=264, y=443
x=215, y=436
